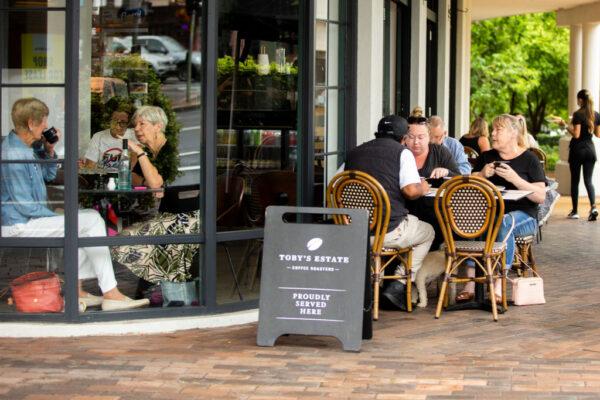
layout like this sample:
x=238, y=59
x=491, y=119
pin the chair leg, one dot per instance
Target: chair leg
x=492, y=292
x=232, y=268
x=504, y=299
x=532, y=259
x=376, y=282
x=442, y=295
x=408, y=270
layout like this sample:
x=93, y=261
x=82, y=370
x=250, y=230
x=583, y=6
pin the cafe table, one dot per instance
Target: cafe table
x=479, y=302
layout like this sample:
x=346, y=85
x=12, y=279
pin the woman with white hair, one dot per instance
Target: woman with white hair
x=149, y=124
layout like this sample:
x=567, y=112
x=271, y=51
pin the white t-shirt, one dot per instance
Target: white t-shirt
x=408, y=169
x=105, y=150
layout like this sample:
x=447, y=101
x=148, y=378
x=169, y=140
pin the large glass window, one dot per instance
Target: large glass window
x=32, y=93
x=330, y=92
x=140, y=142
x=257, y=108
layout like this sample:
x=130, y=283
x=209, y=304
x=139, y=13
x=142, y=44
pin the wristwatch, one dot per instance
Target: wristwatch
x=143, y=153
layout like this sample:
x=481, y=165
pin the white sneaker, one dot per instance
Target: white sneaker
x=90, y=300
x=126, y=304
x=573, y=215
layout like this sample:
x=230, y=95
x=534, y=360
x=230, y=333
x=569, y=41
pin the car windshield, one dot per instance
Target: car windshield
x=173, y=44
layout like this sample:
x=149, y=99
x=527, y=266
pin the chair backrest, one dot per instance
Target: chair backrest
x=539, y=153
x=270, y=188
x=469, y=207
x=179, y=199
x=356, y=189
x=230, y=194
x=471, y=154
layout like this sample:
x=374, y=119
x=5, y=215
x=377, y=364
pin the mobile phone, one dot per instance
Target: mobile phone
x=498, y=163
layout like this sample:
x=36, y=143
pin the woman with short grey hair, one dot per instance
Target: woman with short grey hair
x=149, y=124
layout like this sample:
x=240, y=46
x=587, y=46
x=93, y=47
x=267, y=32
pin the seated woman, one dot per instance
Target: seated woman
x=518, y=169
x=477, y=137
x=25, y=211
x=147, y=169
x=434, y=161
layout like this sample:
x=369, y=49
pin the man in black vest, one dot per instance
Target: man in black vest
x=394, y=166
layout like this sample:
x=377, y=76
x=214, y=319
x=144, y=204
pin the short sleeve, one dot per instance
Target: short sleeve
x=577, y=119
x=596, y=118
x=93, y=151
x=409, y=174
x=536, y=171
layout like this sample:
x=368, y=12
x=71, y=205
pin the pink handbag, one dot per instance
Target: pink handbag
x=528, y=291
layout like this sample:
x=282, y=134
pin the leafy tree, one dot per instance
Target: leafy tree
x=519, y=64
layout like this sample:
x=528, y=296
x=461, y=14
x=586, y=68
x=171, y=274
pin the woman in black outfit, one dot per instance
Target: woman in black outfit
x=478, y=136
x=581, y=150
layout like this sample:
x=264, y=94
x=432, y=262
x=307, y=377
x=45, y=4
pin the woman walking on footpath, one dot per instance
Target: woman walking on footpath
x=585, y=122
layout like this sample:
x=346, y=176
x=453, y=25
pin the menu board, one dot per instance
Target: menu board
x=313, y=276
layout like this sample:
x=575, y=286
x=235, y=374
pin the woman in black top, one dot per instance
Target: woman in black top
x=581, y=151
x=520, y=169
x=477, y=138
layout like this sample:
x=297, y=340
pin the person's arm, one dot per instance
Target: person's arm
x=597, y=131
x=49, y=170
x=19, y=190
x=575, y=128
x=484, y=143
x=445, y=164
x=151, y=177
x=92, y=154
x=458, y=153
x=411, y=185
x=538, y=187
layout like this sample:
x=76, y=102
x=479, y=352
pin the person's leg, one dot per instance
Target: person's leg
x=412, y=233
x=588, y=171
x=575, y=168
x=95, y=262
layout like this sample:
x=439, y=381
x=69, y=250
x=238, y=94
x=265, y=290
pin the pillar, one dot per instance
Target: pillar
x=591, y=60
x=418, y=53
x=575, y=67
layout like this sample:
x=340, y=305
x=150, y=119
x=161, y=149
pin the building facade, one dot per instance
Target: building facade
x=262, y=99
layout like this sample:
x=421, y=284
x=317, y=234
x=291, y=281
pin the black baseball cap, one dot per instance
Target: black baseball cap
x=392, y=126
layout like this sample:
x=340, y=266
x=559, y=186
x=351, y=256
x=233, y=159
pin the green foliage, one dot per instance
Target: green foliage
x=519, y=64
x=544, y=139
x=133, y=69
x=552, y=155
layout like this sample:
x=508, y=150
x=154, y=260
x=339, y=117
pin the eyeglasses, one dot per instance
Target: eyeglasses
x=417, y=120
x=122, y=124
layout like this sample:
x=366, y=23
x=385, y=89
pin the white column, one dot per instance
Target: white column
x=574, y=66
x=591, y=60
x=418, y=53
x=443, y=73
x=369, y=69
x=463, y=68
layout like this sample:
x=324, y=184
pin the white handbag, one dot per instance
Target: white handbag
x=528, y=291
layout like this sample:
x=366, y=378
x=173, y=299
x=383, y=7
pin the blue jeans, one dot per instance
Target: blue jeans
x=525, y=225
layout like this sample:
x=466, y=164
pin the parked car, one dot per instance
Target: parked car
x=163, y=65
x=162, y=44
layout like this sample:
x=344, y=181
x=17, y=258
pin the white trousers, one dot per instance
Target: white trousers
x=412, y=232
x=94, y=262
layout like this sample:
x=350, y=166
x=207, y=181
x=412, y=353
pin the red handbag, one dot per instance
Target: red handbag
x=37, y=292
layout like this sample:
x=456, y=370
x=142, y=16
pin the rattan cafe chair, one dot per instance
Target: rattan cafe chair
x=471, y=155
x=355, y=189
x=471, y=209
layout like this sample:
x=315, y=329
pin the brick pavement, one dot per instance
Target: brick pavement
x=535, y=352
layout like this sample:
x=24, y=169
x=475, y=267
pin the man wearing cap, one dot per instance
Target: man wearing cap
x=394, y=166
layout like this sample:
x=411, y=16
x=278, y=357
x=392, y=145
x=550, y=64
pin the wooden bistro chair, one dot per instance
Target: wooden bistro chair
x=355, y=189
x=471, y=155
x=471, y=209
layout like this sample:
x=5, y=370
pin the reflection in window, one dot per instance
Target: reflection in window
x=256, y=107
x=144, y=86
x=36, y=47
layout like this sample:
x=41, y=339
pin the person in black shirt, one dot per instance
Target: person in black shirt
x=519, y=169
x=582, y=153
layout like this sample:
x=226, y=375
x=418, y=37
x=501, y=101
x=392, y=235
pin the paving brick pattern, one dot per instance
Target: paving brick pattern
x=536, y=352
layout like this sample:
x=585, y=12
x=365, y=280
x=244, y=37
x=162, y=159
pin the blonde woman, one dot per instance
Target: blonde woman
x=511, y=165
x=478, y=136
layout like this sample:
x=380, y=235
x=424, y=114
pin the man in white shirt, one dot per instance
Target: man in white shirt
x=105, y=147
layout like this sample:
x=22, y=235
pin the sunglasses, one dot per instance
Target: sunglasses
x=417, y=120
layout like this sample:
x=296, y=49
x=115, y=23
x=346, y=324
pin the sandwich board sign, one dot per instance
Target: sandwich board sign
x=313, y=276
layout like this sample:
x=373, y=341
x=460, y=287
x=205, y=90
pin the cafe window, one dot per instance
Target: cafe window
x=140, y=141
x=330, y=92
x=32, y=65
